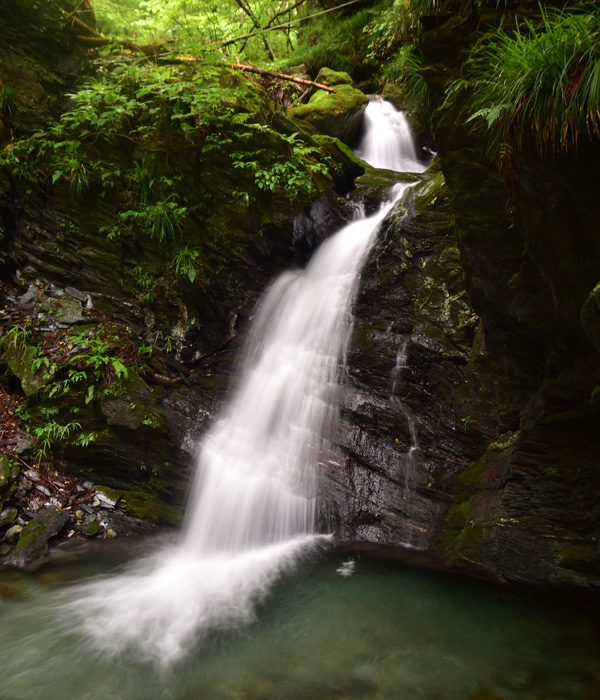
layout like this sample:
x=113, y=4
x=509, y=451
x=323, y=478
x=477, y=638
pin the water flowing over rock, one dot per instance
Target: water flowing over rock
x=253, y=507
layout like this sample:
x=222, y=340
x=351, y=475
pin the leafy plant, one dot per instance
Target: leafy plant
x=539, y=82
x=98, y=356
x=405, y=68
x=78, y=178
x=162, y=342
x=52, y=433
x=141, y=183
x=186, y=262
x=294, y=175
x=467, y=421
x=163, y=220
x=18, y=336
x=10, y=104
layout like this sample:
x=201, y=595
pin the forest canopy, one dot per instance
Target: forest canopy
x=267, y=28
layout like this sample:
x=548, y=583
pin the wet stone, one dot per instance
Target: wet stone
x=8, y=516
x=76, y=294
x=33, y=538
x=12, y=534
x=108, y=497
x=28, y=297
x=92, y=529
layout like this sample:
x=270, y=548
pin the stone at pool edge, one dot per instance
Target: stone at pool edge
x=33, y=539
x=12, y=534
x=92, y=528
x=8, y=516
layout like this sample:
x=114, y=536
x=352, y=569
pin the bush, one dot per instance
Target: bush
x=540, y=81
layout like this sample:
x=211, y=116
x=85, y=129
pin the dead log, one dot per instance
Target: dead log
x=280, y=76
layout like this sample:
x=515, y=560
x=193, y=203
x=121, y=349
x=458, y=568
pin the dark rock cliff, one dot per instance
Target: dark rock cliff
x=501, y=348
x=469, y=412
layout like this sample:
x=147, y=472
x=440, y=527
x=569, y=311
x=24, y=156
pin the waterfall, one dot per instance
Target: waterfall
x=387, y=142
x=256, y=479
x=252, y=507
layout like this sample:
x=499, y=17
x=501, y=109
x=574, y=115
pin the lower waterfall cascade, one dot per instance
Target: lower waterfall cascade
x=252, y=508
x=250, y=601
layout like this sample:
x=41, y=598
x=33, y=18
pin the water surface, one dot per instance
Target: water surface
x=344, y=626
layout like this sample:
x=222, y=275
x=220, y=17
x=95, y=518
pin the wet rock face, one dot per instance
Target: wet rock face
x=404, y=426
x=525, y=508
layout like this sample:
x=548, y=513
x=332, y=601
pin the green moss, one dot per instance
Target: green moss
x=9, y=470
x=433, y=195
x=148, y=506
x=328, y=104
x=459, y=515
x=107, y=492
x=341, y=152
x=332, y=78
x=469, y=478
x=32, y=532
x=20, y=362
x=92, y=529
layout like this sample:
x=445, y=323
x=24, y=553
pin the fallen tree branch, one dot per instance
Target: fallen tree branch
x=85, y=28
x=281, y=76
x=93, y=40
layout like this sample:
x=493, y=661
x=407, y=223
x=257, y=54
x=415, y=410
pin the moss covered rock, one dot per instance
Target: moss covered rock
x=330, y=77
x=335, y=114
x=33, y=539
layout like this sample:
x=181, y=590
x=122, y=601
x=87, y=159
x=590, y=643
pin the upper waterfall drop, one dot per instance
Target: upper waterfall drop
x=252, y=507
x=387, y=141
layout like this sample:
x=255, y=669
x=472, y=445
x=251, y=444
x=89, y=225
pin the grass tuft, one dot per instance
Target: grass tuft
x=539, y=82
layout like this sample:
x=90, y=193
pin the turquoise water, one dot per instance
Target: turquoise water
x=344, y=626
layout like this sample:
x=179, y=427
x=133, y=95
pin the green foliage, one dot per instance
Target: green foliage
x=190, y=23
x=10, y=104
x=141, y=183
x=69, y=374
x=163, y=219
x=18, y=336
x=186, y=262
x=405, y=69
x=98, y=354
x=52, y=433
x=294, y=174
x=394, y=27
x=333, y=40
x=540, y=81
x=162, y=342
x=467, y=421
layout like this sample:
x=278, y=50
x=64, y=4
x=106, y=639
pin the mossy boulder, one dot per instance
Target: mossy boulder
x=337, y=114
x=8, y=516
x=330, y=77
x=147, y=506
x=33, y=539
x=92, y=528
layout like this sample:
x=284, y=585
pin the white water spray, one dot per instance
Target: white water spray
x=387, y=142
x=252, y=510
